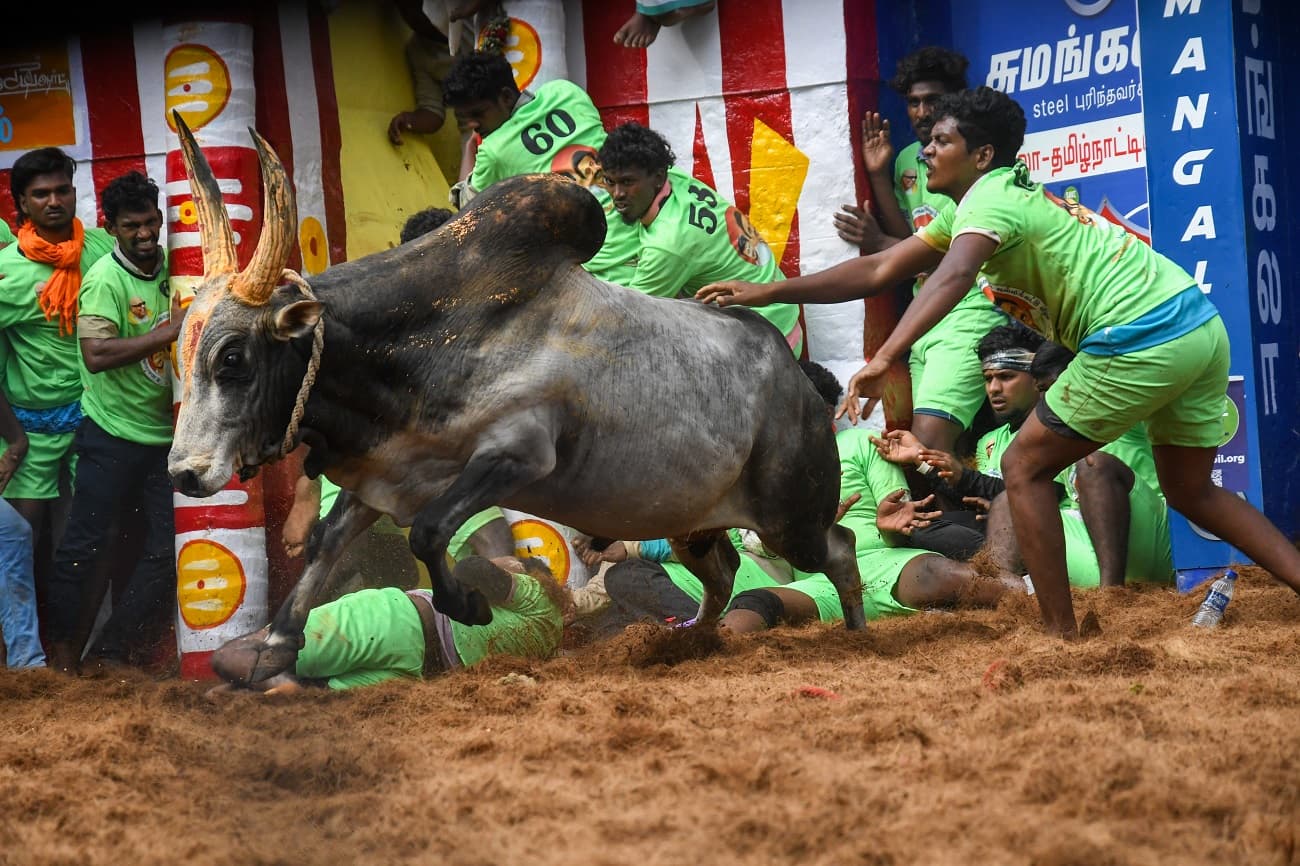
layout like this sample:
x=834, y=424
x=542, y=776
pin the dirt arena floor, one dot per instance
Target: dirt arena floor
x=966, y=738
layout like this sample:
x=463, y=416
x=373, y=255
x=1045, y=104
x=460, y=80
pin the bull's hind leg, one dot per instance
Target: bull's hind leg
x=278, y=651
x=711, y=557
x=831, y=553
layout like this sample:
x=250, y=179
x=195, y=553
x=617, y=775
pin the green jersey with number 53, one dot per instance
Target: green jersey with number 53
x=558, y=130
x=692, y=237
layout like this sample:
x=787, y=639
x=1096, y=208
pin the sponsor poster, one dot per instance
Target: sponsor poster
x=1074, y=67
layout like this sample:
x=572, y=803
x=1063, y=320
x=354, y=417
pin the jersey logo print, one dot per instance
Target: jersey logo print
x=746, y=240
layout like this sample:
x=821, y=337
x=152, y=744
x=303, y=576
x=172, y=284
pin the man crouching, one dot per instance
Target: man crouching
x=375, y=635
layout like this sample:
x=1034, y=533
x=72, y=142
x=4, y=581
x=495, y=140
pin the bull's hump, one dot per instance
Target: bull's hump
x=539, y=216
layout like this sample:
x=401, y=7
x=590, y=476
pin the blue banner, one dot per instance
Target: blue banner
x=1074, y=67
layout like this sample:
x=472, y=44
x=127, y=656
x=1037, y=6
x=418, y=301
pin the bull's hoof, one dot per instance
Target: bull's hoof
x=855, y=619
x=471, y=608
x=255, y=657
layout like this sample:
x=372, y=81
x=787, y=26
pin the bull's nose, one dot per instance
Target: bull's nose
x=187, y=482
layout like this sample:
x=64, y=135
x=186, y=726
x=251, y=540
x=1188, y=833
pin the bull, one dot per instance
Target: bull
x=480, y=365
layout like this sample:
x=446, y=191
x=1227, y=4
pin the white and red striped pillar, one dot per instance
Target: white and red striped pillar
x=221, y=561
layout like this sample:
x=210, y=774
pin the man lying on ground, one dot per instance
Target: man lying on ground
x=375, y=635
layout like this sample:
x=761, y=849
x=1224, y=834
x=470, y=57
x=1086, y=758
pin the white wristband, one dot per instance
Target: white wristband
x=924, y=468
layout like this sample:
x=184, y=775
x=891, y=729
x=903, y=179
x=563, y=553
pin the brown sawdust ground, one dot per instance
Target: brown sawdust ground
x=946, y=739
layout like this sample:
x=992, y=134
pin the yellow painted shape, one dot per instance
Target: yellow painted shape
x=382, y=184
x=314, y=246
x=777, y=172
x=210, y=584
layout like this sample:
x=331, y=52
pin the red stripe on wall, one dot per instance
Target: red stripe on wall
x=702, y=167
x=862, y=61
x=331, y=138
x=754, y=88
x=272, y=110
x=616, y=76
x=112, y=106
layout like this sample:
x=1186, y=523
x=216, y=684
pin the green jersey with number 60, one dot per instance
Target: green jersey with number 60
x=558, y=130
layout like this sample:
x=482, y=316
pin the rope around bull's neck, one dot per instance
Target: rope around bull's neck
x=309, y=378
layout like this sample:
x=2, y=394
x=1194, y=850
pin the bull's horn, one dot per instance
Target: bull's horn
x=214, y=226
x=256, y=282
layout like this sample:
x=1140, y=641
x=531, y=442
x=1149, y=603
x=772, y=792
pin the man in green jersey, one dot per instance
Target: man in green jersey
x=128, y=319
x=687, y=234
x=896, y=580
x=376, y=635
x=41, y=374
x=1115, y=522
x=947, y=390
x=557, y=129
x=1151, y=346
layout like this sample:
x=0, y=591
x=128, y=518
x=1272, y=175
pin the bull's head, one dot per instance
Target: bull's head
x=238, y=371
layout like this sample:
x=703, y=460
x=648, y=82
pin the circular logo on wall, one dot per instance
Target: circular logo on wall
x=198, y=85
x=210, y=584
x=535, y=538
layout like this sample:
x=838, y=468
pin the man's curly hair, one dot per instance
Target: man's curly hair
x=931, y=64
x=635, y=146
x=986, y=116
x=824, y=381
x=422, y=222
x=130, y=192
x=477, y=76
x=1050, y=361
x=1010, y=336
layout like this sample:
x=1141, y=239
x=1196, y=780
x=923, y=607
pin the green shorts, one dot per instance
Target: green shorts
x=459, y=548
x=49, y=456
x=1150, y=557
x=879, y=568
x=529, y=626
x=946, y=377
x=749, y=575
x=363, y=638
x=1178, y=388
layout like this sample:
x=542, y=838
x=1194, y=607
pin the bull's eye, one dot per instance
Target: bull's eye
x=231, y=359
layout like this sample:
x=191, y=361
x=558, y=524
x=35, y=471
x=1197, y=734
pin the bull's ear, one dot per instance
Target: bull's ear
x=296, y=319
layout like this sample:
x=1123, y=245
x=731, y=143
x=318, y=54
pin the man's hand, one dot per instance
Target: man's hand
x=857, y=226
x=11, y=460
x=302, y=516
x=729, y=292
x=877, y=151
x=869, y=382
x=900, y=515
x=616, y=552
x=950, y=468
x=899, y=446
x=845, y=505
x=978, y=504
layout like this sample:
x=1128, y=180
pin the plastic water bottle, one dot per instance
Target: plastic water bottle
x=1216, y=600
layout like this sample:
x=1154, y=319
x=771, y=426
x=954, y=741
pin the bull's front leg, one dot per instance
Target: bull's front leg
x=278, y=651
x=511, y=458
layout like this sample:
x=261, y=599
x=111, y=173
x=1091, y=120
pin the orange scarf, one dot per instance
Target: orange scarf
x=60, y=294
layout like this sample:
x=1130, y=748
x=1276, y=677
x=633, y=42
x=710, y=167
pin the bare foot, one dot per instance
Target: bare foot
x=637, y=32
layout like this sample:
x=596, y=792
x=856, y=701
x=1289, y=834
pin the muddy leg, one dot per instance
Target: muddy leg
x=710, y=557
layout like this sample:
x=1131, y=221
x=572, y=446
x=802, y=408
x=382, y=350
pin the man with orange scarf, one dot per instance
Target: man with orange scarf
x=40, y=371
